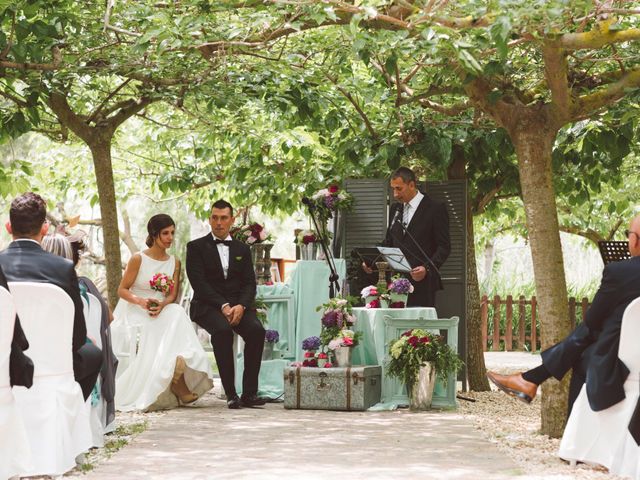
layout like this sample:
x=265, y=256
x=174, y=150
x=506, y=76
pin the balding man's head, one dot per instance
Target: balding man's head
x=633, y=236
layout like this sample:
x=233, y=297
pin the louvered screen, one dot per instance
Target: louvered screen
x=365, y=225
x=451, y=301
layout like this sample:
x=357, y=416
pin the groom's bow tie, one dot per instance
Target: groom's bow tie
x=225, y=242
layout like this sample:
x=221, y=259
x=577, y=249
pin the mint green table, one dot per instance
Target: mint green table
x=270, y=380
x=379, y=326
x=280, y=316
x=310, y=284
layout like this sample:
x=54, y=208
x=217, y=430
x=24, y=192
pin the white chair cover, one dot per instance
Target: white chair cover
x=603, y=437
x=15, y=452
x=53, y=409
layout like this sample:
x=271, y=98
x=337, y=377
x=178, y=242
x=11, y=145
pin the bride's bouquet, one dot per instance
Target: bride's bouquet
x=161, y=282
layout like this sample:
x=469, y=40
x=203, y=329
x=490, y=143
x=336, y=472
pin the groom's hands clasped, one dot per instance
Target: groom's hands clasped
x=234, y=314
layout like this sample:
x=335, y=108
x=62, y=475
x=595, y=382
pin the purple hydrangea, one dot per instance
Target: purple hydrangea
x=400, y=285
x=330, y=318
x=271, y=336
x=329, y=202
x=311, y=343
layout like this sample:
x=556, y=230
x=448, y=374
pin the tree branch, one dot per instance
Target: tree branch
x=598, y=37
x=589, y=103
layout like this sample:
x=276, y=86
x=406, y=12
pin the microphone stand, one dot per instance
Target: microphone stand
x=334, y=286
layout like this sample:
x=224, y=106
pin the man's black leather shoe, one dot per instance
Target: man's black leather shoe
x=253, y=401
x=234, y=403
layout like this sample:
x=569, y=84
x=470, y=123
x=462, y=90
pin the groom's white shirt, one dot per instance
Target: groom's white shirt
x=223, y=251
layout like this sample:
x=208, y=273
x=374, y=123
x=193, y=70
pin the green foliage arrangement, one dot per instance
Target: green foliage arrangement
x=416, y=347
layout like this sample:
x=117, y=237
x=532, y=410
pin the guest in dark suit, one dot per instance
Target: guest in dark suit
x=221, y=273
x=591, y=350
x=20, y=366
x=427, y=221
x=24, y=260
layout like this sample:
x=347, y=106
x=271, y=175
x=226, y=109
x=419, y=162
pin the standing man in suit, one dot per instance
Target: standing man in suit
x=417, y=222
x=591, y=350
x=221, y=273
x=20, y=366
x=24, y=260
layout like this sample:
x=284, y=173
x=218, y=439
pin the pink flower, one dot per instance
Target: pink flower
x=309, y=355
x=322, y=355
x=374, y=304
x=251, y=240
x=347, y=341
x=268, y=282
x=328, y=365
x=333, y=189
x=262, y=235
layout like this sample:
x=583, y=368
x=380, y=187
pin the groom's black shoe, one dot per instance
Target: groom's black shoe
x=234, y=403
x=253, y=401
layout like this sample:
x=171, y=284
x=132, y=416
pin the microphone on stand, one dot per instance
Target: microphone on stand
x=395, y=217
x=308, y=202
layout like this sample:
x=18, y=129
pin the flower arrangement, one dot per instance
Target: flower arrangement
x=379, y=294
x=337, y=318
x=400, y=285
x=331, y=199
x=261, y=310
x=346, y=338
x=305, y=237
x=416, y=347
x=271, y=336
x=162, y=283
x=370, y=291
x=311, y=344
x=250, y=234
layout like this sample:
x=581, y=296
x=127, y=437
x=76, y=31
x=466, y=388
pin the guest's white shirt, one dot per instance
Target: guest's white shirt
x=223, y=251
x=410, y=208
x=27, y=240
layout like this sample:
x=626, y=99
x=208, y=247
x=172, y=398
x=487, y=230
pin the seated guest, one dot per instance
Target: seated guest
x=109, y=360
x=591, y=350
x=24, y=260
x=20, y=366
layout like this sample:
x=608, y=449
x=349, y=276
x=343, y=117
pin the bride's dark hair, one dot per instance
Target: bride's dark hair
x=156, y=224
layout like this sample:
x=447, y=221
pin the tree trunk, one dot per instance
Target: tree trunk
x=101, y=152
x=533, y=141
x=476, y=369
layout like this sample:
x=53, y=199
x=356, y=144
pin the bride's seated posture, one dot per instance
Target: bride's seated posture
x=170, y=366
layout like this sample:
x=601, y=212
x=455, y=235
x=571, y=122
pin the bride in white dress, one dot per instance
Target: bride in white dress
x=170, y=366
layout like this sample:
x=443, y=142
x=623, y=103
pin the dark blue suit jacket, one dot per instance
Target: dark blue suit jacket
x=593, y=346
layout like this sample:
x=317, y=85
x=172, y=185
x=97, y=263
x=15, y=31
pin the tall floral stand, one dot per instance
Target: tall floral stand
x=422, y=392
x=261, y=256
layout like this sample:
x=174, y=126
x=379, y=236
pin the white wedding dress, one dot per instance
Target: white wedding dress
x=143, y=379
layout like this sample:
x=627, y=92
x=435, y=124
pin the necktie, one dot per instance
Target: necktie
x=224, y=242
x=405, y=214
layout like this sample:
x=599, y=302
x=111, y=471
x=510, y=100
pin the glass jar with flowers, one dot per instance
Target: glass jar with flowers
x=336, y=331
x=310, y=345
x=399, y=290
x=271, y=337
x=307, y=241
x=417, y=358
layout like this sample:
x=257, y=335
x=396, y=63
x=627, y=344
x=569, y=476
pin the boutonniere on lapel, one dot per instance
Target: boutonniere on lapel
x=239, y=258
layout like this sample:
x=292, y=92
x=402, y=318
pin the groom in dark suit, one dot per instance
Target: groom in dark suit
x=24, y=260
x=221, y=273
x=417, y=222
x=591, y=350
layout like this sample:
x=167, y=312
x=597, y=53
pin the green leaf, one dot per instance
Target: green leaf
x=469, y=62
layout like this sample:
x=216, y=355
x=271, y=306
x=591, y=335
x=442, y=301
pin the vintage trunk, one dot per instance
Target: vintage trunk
x=352, y=388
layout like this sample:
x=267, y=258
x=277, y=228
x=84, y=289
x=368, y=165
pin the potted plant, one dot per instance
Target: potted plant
x=399, y=290
x=322, y=359
x=310, y=345
x=307, y=241
x=417, y=358
x=336, y=333
x=271, y=337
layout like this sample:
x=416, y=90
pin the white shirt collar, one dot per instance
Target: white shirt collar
x=27, y=240
x=415, y=201
x=216, y=238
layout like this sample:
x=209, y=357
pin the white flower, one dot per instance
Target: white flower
x=335, y=343
x=263, y=235
x=341, y=302
x=251, y=240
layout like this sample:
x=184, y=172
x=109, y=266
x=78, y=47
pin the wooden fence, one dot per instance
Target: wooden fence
x=502, y=330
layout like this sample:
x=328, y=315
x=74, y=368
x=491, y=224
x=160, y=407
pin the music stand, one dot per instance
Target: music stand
x=395, y=258
x=613, y=251
x=368, y=255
